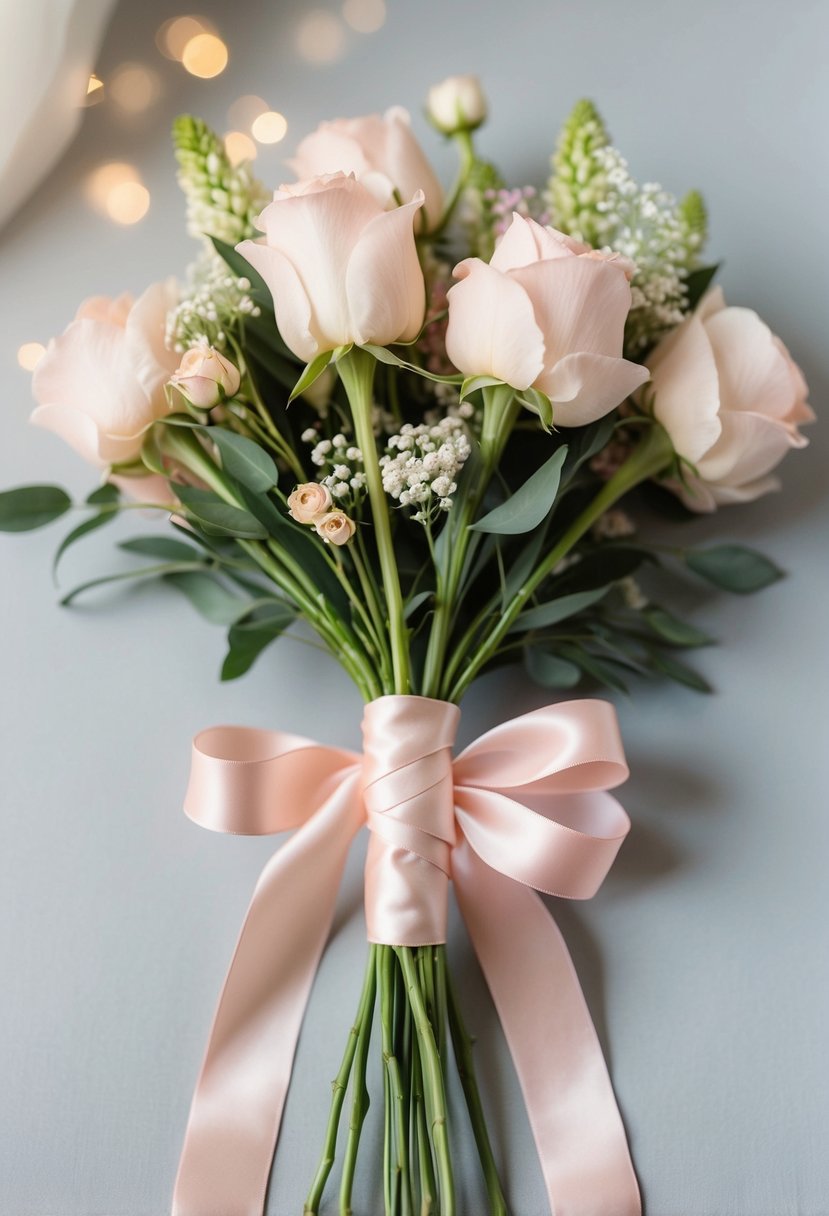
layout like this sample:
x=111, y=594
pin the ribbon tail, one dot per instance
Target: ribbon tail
x=572, y=1110
x=239, y=1099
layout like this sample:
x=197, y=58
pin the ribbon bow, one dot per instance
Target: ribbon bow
x=523, y=807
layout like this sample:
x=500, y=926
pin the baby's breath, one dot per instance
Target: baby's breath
x=421, y=464
x=213, y=301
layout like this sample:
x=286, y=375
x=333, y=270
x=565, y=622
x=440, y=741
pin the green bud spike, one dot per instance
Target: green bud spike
x=223, y=200
x=578, y=181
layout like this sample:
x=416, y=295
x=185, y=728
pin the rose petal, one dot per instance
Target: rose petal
x=580, y=304
x=754, y=373
x=686, y=389
x=492, y=329
x=526, y=242
x=584, y=387
x=750, y=446
x=292, y=307
x=384, y=281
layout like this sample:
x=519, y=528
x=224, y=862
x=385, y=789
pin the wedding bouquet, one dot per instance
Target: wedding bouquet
x=398, y=423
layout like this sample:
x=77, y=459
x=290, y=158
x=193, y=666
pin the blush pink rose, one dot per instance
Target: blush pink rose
x=731, y=397
x=549, y=313
x=381, y=152
x=340, y=268
x=101, y=383
x=205, y=377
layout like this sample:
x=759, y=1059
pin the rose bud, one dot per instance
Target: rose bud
x=381, y=152
x=546, y=313
x=101, y=384
x=340, y=268
x=335, y=528
x=457, y=104
x=308, y=501
x=204, y=377
x=731, y=398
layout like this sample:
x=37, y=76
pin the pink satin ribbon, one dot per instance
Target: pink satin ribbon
x=523, y=809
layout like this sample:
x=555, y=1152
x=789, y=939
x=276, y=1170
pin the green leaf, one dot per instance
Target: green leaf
x=551, y=613
x=472, y=383
x=604, y=672
x=519, y=570
x=698, y=282
x=538, y=403
x=414, y=603
x=209, y=597
x=30, y=507
x=585, y=443
x=88, y=525
x=145, y=572
x=161, y=546
x=247, y=639
x=679, y=672
x=733, y=568
x=549, y=670
x=104, y=496
x=529, y=505
x=219, y=518
x=674, y=630
x=383, y=355
x=606, y=564
x=243, y=459
x=312, y=372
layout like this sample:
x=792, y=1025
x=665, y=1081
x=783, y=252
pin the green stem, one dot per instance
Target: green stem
x=500, y=410
x=434, y=1089
x=421, y=1142
x=360, y=1100
x=652, y=456
x=467, y=152
x=386, y=980
x=339, y=1087
x=462, y=1044
x=356, y=370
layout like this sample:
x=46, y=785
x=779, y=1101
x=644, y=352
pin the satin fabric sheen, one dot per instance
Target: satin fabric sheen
x=522, y=809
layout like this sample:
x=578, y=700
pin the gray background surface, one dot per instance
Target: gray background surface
x=704, y=957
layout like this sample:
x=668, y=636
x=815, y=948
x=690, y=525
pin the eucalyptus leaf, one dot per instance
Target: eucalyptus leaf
x=29, y=507
x=601, y=670
x=247, y=639
x=88, y=525
x=218, y=518
x=530, y=504
x=674, y=630
x=105, y=495
x=733, y=568
x=414, y=603
x=551, y=613
x=679, y=672
x=549, y=670
x=519, y=570
x=606, y=564
x=164, y=547
x=209, y=597
x=145, y=572
x=586, y=442
x=244, y=459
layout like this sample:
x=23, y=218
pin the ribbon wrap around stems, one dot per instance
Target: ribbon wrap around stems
x=523, y=809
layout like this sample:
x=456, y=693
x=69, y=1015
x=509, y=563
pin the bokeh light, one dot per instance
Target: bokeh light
x=205, y=56
x=320, y=37
x=172, y=37
x=30, y=354
x=134, y=87
x=245, y=110
x=269, y=127
x=94, y=90
x=239, y=147
x=116, y=191
x=365, y=16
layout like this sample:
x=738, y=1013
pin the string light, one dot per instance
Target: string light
x=245, y=110
x=94, y=90
x=134, y=87
x=172, y=37
x=116, y=191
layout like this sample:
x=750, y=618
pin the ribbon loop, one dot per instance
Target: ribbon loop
x=525, y=806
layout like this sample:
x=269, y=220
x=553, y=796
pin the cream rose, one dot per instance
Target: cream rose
x=457, y=104
x=340, y=268
x=308, y=501
x=549, y=313
x=102, y=382
x=335, y=528
x=205, y=377
x=381, y=152
x=731, y=397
